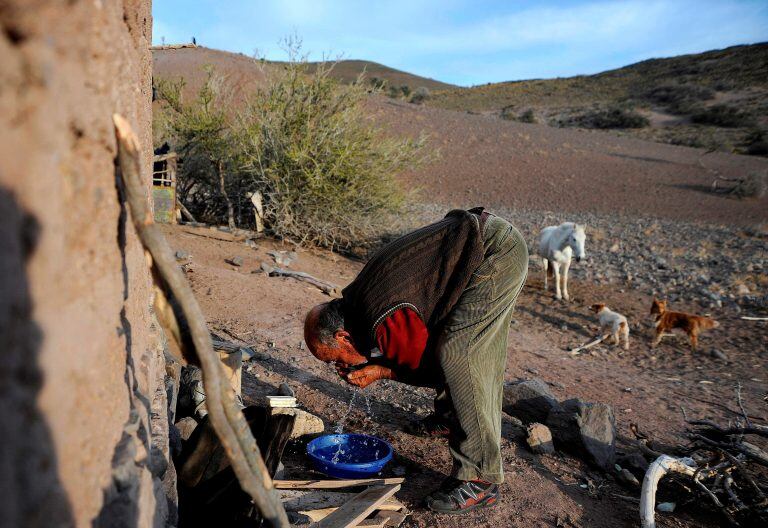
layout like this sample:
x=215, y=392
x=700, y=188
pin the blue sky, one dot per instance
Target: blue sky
x=468, y=42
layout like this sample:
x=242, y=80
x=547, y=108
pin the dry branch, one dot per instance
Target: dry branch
x=225, y=416
x=592, y=343
x=326, y=287
x=658, y=469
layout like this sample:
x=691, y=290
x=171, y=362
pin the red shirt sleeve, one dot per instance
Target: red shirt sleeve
x=402, y=338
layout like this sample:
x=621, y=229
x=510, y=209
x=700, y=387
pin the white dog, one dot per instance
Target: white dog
x=557, y=246
x=612, y=323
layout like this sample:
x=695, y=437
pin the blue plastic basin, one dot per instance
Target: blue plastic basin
x=349, y=456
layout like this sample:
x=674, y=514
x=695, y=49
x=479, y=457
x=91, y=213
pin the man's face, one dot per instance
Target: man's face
x=341, y=352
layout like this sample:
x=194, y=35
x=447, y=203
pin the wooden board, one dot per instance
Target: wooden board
x=359, y=507
x=391, y=505
x=393, y=518
x=311, y=500
x=333, y=484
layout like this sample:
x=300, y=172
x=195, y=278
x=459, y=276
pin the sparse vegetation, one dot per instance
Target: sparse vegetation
x=678, y=98
x=723, y=116
x=606, y=118
x=509, y=113
x=680, y=85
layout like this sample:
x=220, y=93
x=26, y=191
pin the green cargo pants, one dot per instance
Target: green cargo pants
x=473, y=352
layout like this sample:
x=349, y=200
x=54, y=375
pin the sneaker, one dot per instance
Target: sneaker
x=463, y=497
x=430, y=426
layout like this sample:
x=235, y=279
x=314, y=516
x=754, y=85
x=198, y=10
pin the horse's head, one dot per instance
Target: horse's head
x=576, y=241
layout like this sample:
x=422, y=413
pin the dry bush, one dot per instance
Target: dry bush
x=606, y=118
x=678, y=98
x=420, y=95
x=327, y=176
x=722, y=116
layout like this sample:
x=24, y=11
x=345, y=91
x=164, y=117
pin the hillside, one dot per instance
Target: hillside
x=502, y=163
x=245, y=73
x=717, y=99
x=347, y=71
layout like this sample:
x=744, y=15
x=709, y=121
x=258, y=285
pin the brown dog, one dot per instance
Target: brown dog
x=688, y=323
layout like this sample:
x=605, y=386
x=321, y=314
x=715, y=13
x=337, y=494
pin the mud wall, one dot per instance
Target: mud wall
x=83, y=417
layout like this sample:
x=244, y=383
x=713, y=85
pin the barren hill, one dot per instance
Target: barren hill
x=347, y=71
x=713, y=99
x=502, y=163
x=245, y=73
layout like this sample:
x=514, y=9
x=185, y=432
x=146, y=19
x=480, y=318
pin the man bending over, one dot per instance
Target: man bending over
x=433, y=308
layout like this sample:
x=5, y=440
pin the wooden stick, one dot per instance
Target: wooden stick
x=659, y=468
x=578, y=349
x=334, y=484
x=750, y=318
x=359, y=507
x=225, y=416
x=326, y=287
x=185, y=212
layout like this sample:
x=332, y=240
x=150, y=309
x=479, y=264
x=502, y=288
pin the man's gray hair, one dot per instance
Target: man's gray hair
x=330, y=320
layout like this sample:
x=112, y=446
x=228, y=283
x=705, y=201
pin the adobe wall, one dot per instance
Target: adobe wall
x=83, y=417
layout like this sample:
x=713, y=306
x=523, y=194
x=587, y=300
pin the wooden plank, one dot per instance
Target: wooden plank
x=390, y=505
x=308, y=500
x=333, y=484
x=374, y=522
x=359, y=507
x=393, y=518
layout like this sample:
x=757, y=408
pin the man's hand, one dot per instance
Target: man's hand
x=367, y=375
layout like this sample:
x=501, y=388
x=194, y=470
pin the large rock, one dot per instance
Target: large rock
x=529, y=400
x=586, y=429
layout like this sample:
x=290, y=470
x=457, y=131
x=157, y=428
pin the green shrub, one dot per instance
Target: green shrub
x=722, y=116
x=606, y=118
x=327, y=176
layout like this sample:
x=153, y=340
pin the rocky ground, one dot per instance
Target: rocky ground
x=644, y=386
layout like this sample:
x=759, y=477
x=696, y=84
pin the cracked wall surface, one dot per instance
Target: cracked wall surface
x=82, y=393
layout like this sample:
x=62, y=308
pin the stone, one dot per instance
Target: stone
x=182, y=255
x=628, y=478
x=305, y=423
x=235, y=261
x=539, y=439
x=666, y=507
x=634, y=461
x=719, y=354
x=283, y=258
x=586, y=429
x=186, y=427
x=529, y=400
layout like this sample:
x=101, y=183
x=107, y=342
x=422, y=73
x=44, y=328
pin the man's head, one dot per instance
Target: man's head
x=326, y=337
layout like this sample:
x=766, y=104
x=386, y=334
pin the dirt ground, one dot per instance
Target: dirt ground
x=644, y=386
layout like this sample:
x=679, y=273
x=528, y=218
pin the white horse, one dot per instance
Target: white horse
x=557, y=246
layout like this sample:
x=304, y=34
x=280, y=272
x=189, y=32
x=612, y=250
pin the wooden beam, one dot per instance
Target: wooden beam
x=333, y=484
x=361, y=505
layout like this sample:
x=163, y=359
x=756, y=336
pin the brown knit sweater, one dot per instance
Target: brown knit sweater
x=427, y=269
